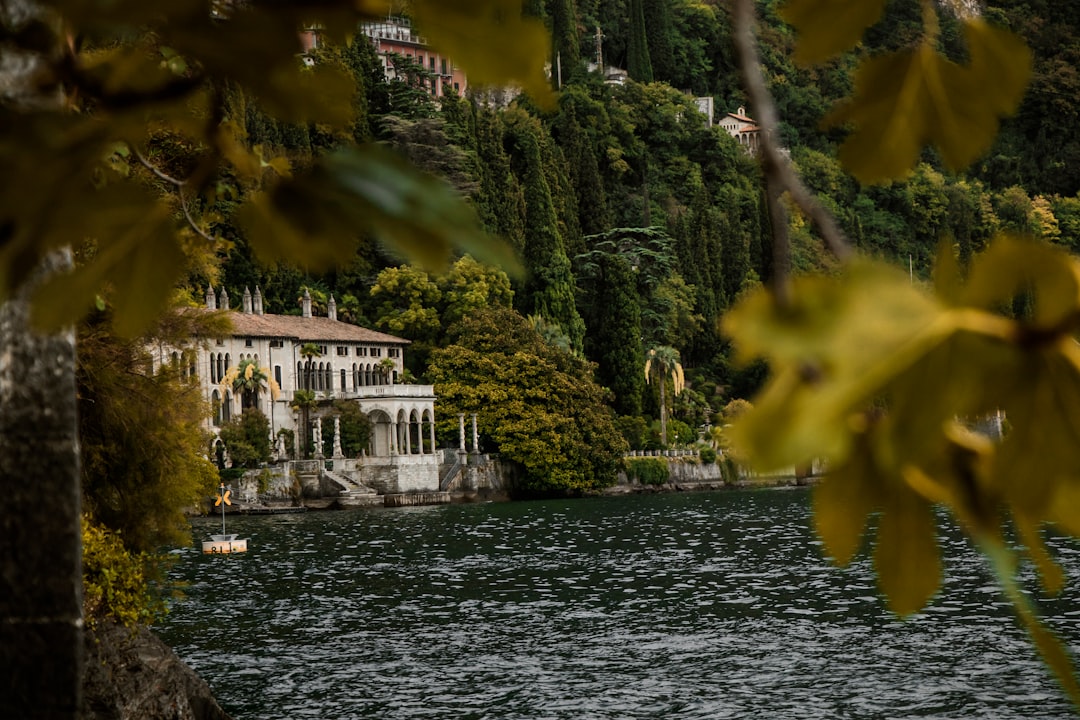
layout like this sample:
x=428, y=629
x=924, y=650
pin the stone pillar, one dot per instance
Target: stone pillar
x=337, y=438
x=461, y=431
x=431, y=434
x=318, y=438
x=475, y=436
x=41, y=630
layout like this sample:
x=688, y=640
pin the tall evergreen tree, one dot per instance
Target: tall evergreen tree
x=500, y=202
x=593, y=214
x=659, y=32
x=617, y=333
x=566, y=49
x=549, y=289
x=638, y=63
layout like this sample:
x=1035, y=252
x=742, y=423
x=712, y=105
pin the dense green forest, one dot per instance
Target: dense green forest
x=637, y=224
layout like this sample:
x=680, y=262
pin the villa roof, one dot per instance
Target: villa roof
x=742, y=118
x=306, y=329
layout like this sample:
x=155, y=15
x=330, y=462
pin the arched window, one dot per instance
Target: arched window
x=226, y=407
x=213, y=373
x=220, y=367
x=367, y=375
x=342, y=379
x=300, y=384
x=328, y=380
x=355, y=377
x=228, y=364
x=215, y=401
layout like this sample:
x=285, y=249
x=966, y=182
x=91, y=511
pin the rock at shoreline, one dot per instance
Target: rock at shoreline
x=130, y=674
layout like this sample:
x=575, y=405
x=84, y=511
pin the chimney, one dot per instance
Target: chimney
x=331, y=309
x=258, y=301
x=223, y=301
x=305, y=304
x=211, y=300
x=247, y=301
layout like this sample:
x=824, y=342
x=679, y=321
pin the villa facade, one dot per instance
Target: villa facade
x=333, y=361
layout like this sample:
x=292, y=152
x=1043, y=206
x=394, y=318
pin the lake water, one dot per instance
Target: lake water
x=707, y=605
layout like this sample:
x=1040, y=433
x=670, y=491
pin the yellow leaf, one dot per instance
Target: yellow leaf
x=1064, y=509
x=842, y=502
x=906, y=553
x=829, y=27
x=1042, y=450
x=907, y=99
x=831, y=348
x=492, y=40
x=1050, y=573
x=315, y=217
x=947, y=271
x=1012, y=265
x=137, y=257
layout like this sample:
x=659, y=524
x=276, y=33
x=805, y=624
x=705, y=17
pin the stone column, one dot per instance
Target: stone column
x=431, y=433
x=337, y=438
x=318, y=438
x=475, y=436
x=461, y=431
x=41, y=631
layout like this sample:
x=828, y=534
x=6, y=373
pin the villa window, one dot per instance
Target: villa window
x=277, y=343
x=342, y=350
x=248, y=342
x=343, y=374
x=277, y=375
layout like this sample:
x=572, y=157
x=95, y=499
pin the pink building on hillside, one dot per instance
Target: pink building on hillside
x=396, y=36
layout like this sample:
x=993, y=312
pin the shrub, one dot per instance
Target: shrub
x=647, y=471
x=117, y=582
x=708, y=455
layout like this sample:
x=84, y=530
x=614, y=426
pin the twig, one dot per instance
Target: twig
x=778, y=172
x=179, y=185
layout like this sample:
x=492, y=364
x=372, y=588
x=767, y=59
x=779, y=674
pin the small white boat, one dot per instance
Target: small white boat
x=224, y=544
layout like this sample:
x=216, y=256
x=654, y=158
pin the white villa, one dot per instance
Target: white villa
x=353, y=364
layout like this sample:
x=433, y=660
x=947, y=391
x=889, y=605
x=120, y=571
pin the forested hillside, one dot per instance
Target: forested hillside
x=637, y=224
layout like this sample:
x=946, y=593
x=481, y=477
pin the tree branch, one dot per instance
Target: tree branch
x=778, y=173
x=179, y=185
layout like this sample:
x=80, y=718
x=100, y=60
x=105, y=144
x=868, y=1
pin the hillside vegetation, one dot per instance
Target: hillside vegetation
x=638, y=226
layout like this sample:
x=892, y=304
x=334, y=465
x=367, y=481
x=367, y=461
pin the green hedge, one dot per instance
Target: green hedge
x=647, y=470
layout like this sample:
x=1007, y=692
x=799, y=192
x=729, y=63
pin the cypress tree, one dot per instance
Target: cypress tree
x=617, y=334
x=659, y=30
x=566, y=46
x=637, y=47
x=499, y=202
x=584, y=171
x=549, y=289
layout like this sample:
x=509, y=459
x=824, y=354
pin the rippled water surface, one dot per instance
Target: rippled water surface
x=711, y=605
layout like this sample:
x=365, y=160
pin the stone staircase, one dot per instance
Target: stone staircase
x=352, y=492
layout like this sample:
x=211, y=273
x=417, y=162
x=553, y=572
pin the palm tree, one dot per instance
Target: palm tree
x=309, y=351
x=662, y=363
x=248, y=379
x=304, y=401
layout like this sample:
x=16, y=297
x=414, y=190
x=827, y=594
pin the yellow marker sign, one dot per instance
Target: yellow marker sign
x=225, y=497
